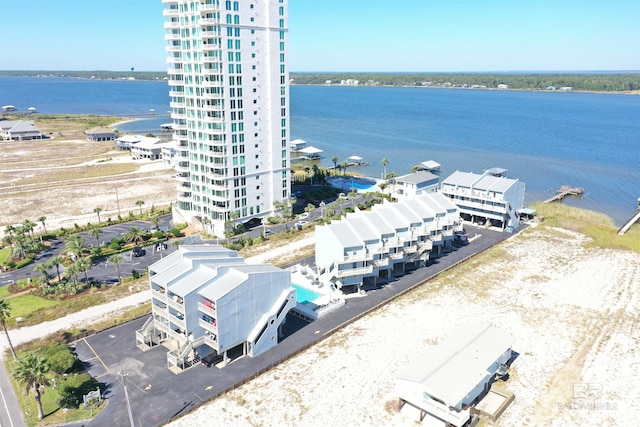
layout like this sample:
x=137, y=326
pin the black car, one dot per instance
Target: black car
x=138, y=251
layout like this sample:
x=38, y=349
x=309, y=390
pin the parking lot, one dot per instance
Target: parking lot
x=156, y=394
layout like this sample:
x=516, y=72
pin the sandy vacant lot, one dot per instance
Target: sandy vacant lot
x=574, y=312
x=66, y=179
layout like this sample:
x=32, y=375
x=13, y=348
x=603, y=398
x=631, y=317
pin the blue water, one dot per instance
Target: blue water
x=304, y=295
x=360, y=185
x=547, y=139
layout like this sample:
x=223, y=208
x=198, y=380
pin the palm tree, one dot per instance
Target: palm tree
x=42, y=219
x=72, y=273
x=414, y=168
x=116, y=260
x=97, y=211
x=9, y=229
x=56, y=262
x=31, y=371
x=8, y=240
x=134, y=234
x=76, y=244
x=84, y=265
x=344, y=165
x=176, y=243
x=139, y=203
x=385, y=162
x=155, y=219
x=335, y=161
x=42, y=269
x=29, y=226
x=316, y=174
x=307, y=171
x=96, y=232
x=5, y=313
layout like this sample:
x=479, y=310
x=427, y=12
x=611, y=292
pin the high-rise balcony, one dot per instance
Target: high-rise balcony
x=216, y=175
x=173, y=11
x=184, y=197
x=177, y=104
x=173, y=48
x=182, y=167
x=357, y=271
x=208, y=325
x=171, y=36
x=209, y=21
x=204, y=7
x=171, y=25
x=207, y=309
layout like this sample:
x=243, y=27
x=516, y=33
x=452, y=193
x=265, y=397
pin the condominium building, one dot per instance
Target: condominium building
x=206, y=300
x=229, y=90
x=489, y=197
x=367, y=245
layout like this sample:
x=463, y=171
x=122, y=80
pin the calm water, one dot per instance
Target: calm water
x=546, y=139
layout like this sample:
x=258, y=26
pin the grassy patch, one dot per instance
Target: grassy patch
x=4, y=292
x=25, y=305
x=5, y=254
x=36, y=310
x=595, y=225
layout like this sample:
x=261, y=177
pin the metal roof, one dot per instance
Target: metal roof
x=483, y=182
x=453, y=368
x=418, y=177
x=345, y=234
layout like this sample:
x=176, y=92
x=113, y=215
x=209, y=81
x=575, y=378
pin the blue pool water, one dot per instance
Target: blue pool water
x=363, y=186
x=304, y=295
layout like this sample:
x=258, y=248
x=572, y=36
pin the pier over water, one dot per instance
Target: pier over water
x=565, y=191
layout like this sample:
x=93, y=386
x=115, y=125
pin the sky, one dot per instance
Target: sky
x=343, y=35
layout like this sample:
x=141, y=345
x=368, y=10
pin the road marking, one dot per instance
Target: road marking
x=98, y=357
x=6, y=407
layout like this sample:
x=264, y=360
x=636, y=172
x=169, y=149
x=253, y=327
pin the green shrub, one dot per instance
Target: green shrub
x=158, y=234
x=176, y=232
x=117, y=240
x=73, y=387
x=60, y=358
x=24, y=262
x=115, y=246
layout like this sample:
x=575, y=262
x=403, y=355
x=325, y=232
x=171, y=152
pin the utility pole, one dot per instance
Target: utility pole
x=126, y=397
x=117, y=201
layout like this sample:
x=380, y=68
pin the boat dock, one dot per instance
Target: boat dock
x=565, y=191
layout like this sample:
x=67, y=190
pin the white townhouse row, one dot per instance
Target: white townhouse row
x=490, y=197
x=206, y=300
x=367, y=245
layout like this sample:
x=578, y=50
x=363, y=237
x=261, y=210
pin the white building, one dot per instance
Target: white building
x=490, y=196
x=446, y=380
x=367, y=245
x=207, y=300
x=413, y=184
x=149, y=148
x=19, y=130
x=229, y=90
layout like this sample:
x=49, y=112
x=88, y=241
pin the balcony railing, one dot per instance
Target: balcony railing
x=208, y=326
x=381, y=262
x=207, y=310
x=397, y=256
x=358, y=271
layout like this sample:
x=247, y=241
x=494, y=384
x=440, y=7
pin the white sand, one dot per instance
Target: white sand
x=574, y=312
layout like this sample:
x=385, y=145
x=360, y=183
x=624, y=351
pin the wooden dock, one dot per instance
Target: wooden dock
x=565, y=191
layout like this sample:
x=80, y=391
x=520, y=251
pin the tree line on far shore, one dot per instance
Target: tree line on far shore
x=601, y=82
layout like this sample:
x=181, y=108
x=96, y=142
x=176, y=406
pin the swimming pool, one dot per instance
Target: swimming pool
x=364, y=186
x=304, y=295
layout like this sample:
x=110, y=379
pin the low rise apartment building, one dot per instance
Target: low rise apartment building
x=488, y=197
x=206, y=300
x=367, y=245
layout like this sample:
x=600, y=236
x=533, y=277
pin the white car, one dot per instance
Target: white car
x=304, y=215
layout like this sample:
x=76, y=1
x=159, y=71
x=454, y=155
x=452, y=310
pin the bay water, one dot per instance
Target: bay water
x=546, y=139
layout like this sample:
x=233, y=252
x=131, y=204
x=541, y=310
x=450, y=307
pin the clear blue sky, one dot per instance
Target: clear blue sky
x=343, y=35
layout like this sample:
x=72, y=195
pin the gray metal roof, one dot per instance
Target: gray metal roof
x=363, y=228
x=453, y=368
x=391, y=216
x=343, y=232
x=230, y=277
x=420, y=208
x=380, y=225
x=418, y=177
x=483, y=182
x=408, y=213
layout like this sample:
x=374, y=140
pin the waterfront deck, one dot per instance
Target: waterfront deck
x=565, y=191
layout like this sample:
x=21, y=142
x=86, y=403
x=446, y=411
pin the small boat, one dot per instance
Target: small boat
x=9, y=108
x=32, y=109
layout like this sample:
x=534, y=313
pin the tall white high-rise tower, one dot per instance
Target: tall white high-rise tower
x=229, y=89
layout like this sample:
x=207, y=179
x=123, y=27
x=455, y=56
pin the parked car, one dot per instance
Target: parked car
x=460, y=238
x=138, y=251
x=304, y=215
x=342, y=196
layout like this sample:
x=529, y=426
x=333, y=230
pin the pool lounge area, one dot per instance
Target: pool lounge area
x=314, y=298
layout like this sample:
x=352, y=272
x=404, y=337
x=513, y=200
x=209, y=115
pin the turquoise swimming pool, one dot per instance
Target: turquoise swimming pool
x=304, y=295
x=362, y=186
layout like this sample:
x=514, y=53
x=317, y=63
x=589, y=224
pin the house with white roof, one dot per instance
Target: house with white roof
x=429, y=166
x=206, y=300
x=148, y=148
x=412, y=184
x=367, y=245
x=446, y=380
x=487, y=197
x=19, y=130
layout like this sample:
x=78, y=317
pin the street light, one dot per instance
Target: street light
x=121, y=375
